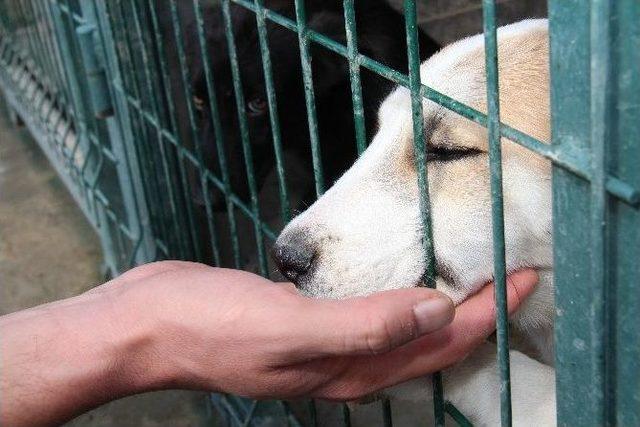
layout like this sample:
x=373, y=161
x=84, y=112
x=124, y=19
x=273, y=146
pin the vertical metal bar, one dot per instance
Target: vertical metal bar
x=188, y=93
x=166, y=82
x=346, y=416
x=45, y=32
x=144, y=151
x=35, y=53
x=387, y=415
x=66, y=87
x=309, y=93
x=60, y=96
x=624, y=220
x=244, y=132
x=419, y=144
x=218, y=131
x=46, y=68
x=156, y=107
x=129, y=198
x=354, y=75
x=73, y=70
x=358, y=110
x=142, y=246
x=307, y=77
x=497, y=207
x=273, y=110
x=601, y=124
x=313, y=413
x=569, y=32
x=152, y=80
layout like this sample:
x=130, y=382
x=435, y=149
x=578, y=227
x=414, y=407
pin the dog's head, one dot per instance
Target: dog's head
x=331, y=82
x=366, y=235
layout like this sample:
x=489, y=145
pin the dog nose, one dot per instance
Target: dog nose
x=294, y=257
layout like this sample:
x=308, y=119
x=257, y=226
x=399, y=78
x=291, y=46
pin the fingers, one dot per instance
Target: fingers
x=374, y=324
x=473, y=323
x=478, y=313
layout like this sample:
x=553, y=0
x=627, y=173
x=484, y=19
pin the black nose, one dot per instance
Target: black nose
x=294, y=257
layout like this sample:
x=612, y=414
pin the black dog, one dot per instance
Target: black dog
x=381, y=35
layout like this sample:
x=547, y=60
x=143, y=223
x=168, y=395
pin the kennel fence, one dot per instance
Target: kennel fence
x=91, y=82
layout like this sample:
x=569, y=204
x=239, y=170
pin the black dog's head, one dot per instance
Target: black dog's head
x=381, y=36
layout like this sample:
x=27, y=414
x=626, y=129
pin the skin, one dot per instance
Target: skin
x=189, y=326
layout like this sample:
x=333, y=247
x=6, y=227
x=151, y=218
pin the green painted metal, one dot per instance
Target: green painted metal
x=387, y=415
x=601, y=103
x=570, y=127
x=47, y=78
x=244, y=132
x=457, y=416
x=420, y=150
x=592, y=66
x=219, y=135
x=625, y=229
x=187, y=92
x=578, y=165
x=497, y=206
x=354, y=74
x=346, y=416
x=273, y=111
x=64, y=63
x=307, y=75
x=97, y=82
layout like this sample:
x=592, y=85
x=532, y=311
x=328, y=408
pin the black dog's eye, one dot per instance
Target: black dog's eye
x=257, y=107
x=198, y=103
x=448, y=154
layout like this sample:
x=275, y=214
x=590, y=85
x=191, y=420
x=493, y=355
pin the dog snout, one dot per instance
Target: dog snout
x=294, y=255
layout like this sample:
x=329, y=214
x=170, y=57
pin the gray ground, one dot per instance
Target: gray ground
x=47, y=252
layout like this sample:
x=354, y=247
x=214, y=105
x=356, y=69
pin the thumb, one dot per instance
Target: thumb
x=375, y=324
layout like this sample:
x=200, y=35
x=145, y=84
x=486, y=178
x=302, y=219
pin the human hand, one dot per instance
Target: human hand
x=236, y=332
x=184, y=325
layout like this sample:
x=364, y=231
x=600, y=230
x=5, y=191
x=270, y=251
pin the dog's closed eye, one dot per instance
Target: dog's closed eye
x=450, y=153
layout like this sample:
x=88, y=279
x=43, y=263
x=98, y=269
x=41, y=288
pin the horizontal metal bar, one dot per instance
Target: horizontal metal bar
x=622, y=190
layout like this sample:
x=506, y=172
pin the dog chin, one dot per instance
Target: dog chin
x=312, y=289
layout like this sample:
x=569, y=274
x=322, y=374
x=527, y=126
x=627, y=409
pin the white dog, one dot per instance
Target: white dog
x=365, y=234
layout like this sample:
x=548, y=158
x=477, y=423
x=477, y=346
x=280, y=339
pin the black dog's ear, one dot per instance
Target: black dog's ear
x=329, y=68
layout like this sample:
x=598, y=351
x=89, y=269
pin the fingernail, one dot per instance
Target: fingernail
x=433, y=314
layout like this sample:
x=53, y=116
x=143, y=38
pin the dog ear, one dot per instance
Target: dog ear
x=329, y=68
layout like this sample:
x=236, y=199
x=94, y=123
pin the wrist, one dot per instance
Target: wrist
x=140, y=357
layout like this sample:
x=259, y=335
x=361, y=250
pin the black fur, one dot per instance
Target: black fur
x=381, y=35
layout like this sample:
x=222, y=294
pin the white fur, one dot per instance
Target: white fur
x=369, y=231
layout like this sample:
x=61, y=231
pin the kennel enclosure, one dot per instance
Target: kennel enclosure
x=92, y=82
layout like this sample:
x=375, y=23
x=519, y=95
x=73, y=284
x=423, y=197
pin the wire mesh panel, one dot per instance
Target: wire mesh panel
x=52, y=79
x=176, y=145
x=596, y=341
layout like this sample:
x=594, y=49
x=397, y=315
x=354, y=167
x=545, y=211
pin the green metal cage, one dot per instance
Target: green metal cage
x=90, y=81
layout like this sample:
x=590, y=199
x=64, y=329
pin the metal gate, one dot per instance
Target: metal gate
x=50, y=79
x=93, y=82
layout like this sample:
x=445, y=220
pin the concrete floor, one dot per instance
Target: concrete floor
x=48, y=251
